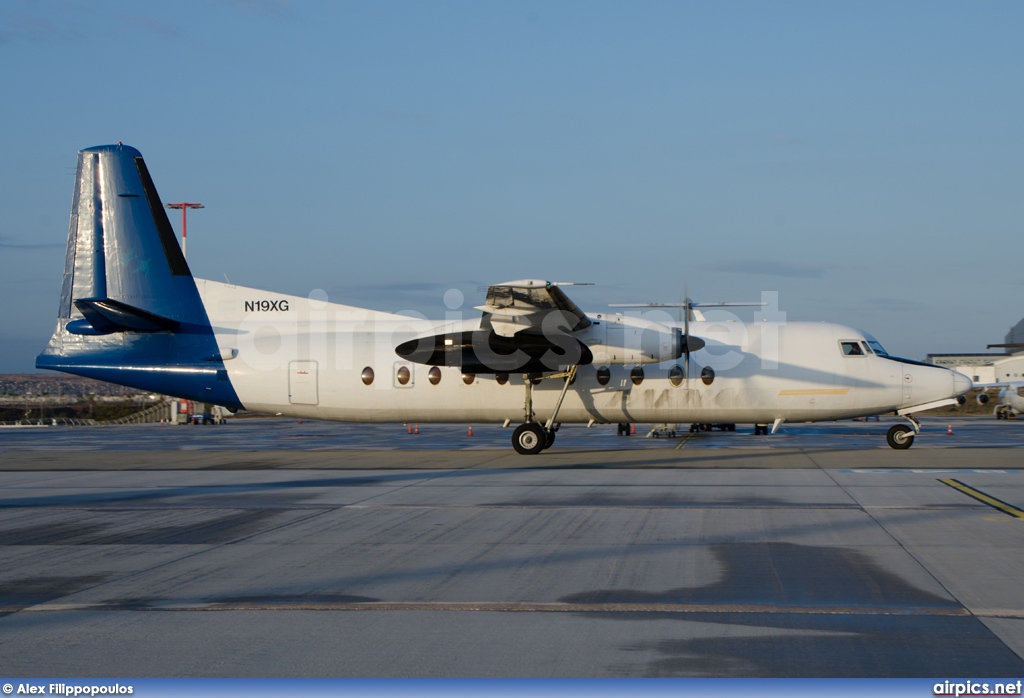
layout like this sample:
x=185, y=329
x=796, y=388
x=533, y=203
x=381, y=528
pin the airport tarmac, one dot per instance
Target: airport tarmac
x=273, y=548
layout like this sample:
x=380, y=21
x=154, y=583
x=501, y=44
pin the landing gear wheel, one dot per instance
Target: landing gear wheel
x=900, y=436
x=760, y=429
x=549, y=439
x=529, y=439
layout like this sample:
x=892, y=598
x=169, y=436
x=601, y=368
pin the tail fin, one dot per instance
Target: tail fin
x=121, y=245
x=130, y=311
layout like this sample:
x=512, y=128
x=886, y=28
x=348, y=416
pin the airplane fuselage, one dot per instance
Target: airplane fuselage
x=307, y=358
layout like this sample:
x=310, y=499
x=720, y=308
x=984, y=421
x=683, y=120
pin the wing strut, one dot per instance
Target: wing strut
x=570, y=375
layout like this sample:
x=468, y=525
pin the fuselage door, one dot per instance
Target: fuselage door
x=302, y=383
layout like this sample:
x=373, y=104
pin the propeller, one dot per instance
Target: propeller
x=686, y=333
x=687, y=305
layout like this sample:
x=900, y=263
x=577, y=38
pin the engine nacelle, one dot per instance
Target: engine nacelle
x=607, y=340
x=627, y=340
x=982, y=398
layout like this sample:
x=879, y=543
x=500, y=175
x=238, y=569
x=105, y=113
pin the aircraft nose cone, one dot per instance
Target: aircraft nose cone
x=961, y=383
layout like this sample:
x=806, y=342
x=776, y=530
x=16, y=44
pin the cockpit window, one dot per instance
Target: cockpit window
x=878, y=348
x=851, y=349
x=866, y=347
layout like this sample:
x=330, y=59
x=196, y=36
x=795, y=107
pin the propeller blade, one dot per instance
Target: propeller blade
x=686, y=334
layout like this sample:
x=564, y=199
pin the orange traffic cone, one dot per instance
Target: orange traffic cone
x=416, y=430
x=632, y=429
x=949, y=429
x=409, y=427
x=470, y=430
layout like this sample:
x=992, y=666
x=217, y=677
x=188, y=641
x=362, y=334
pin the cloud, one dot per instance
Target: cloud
x=24, y=26
x=766, y=267
x=270, y=9
x=69, y=21
x=5, y=245
x=152, y=25
x=901, y=305
x=426, y=297
x=786, y=139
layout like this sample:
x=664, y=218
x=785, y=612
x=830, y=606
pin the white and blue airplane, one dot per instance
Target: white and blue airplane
x=132, y=313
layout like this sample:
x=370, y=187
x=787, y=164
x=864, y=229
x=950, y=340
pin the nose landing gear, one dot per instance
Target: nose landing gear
x=900, y=436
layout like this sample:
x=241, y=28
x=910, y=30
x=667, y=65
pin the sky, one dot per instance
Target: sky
x=864, y=160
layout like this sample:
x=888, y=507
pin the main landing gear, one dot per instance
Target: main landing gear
x=530, y=437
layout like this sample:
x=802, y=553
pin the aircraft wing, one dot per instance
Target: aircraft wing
x=524, y=306
x=999, y=384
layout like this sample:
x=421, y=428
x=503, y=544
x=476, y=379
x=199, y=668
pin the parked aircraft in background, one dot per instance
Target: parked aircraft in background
x=1011, y=398
x=132, y=313
x=1011, y=392
x=1011, y=401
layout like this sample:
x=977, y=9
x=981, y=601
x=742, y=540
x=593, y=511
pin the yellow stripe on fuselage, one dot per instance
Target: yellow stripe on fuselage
x=818, y=391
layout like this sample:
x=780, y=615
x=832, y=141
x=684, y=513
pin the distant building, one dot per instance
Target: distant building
x=1016, y=335
x=989, y=367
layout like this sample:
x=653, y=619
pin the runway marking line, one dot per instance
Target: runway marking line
x=983, y=498
x=513, y=607
x=683, y=442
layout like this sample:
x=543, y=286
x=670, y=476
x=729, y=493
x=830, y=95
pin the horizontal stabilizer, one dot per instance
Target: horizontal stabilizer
x=105, y=316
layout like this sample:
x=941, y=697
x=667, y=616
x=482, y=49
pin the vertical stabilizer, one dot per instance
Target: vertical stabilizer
x=130, y=311
x=121, y=246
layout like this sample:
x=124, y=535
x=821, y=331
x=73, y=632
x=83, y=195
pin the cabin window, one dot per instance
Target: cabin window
x=367, y=375
x=501, y=378
x=403, y=375
x=707, y=374
x=434, y=375
x=637, y=375
x=851, y=349
x=675, y=375
x=604, y=374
